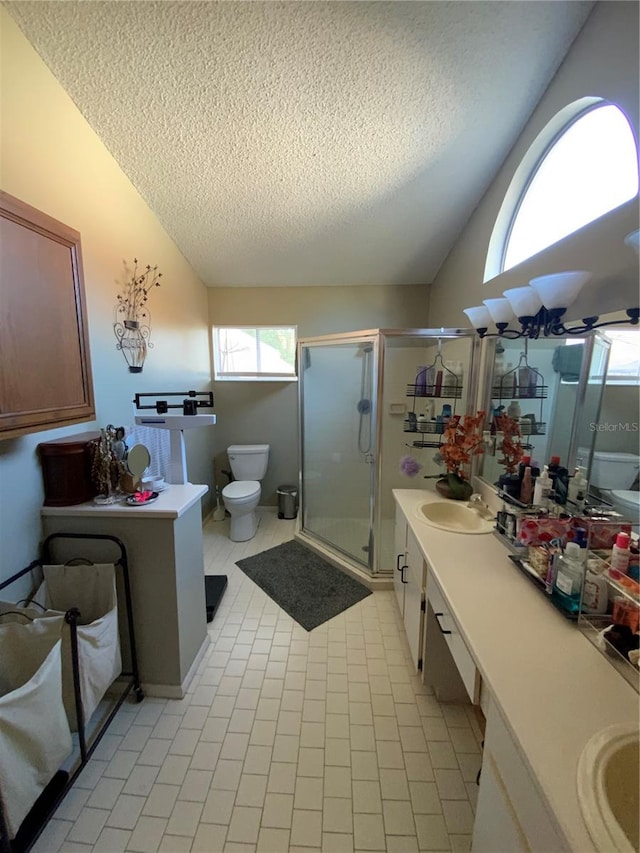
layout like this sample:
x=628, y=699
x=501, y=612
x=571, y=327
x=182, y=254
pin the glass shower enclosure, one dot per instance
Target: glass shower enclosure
x=358, y=407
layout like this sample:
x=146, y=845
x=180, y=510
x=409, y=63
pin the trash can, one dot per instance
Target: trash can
x=287, y=501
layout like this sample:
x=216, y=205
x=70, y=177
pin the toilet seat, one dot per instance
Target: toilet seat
x=627, y=497
x=241, y=489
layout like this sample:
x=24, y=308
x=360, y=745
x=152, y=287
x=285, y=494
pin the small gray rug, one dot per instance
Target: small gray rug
x=308, y=588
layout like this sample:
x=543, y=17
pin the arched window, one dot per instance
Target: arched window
x=584, y=164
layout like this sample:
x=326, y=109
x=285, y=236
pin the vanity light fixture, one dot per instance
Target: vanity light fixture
x=539, y=308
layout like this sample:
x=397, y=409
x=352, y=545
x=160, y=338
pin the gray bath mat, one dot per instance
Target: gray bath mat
x=308, y=588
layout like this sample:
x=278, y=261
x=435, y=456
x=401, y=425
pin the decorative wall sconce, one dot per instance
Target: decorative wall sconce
x=132, y=326
x=539, y=308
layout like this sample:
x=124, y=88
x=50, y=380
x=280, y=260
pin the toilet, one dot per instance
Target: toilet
x=242, y=496
x=614, y=474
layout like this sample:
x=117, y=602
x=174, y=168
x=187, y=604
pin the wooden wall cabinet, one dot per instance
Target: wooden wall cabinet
x=45, y=366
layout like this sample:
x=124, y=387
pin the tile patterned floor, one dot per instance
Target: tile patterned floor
x=287, y=741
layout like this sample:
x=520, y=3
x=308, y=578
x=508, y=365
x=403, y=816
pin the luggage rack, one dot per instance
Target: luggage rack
x=50, y=798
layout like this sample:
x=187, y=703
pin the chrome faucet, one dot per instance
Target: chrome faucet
x=476, y=502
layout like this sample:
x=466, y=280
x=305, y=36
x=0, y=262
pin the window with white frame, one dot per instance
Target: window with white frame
x=254, y=353
x=584, y=164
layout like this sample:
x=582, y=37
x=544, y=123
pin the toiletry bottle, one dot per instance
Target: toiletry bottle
x=459, y=371
x=438, y=386
x=487, y=440
x=560, y=477
x=448, y=378
x=569, y=577
x=422, y=423
x=542, y=488
x=524, y=375
x=429, y=410
x=595, y=596
x=526, y=487
x=524, y=462
x=577, y=483
x=421, y=380
x=513, y=410
x=498, y=374
x=621, y=553
x=582, y=540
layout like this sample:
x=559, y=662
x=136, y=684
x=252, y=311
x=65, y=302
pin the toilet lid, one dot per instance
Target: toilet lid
x=241, y=489
x=627, y=496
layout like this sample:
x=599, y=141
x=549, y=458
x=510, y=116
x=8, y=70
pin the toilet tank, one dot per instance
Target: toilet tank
x=248, y=461
x=614, y=470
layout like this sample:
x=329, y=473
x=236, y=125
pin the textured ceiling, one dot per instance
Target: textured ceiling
x=306, y=143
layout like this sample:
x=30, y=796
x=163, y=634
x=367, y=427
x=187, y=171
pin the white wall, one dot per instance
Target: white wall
x=53, y=160
x=602, y=62
x=267, y=412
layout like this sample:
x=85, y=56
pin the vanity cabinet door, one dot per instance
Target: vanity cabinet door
x=401, y=558
x=45, y=371
x=510, y=806
x=496, y=826
x=414, y=599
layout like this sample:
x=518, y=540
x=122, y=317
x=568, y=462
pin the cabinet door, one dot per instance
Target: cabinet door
x=399, y=574
x=496, y=826
x=45, y=372
x=414, y=599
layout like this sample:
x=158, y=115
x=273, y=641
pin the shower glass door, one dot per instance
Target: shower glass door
x=338, y=416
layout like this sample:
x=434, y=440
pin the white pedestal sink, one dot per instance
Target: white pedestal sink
x=608, y=784
x=454, y=516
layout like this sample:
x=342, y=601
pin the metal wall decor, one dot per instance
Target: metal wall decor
x=132, y=326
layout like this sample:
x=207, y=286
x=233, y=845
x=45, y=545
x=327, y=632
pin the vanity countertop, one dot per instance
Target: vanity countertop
x=173, y=502
x=554, y=688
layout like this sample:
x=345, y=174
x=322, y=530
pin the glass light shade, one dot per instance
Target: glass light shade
x=525, y=301
x=500, y=309
x=560, y=289
x=479, y=316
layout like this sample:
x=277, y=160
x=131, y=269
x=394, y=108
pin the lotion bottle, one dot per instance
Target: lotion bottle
x=526, y=487
x=542, y=488
x=621, y=553
x=578, y=483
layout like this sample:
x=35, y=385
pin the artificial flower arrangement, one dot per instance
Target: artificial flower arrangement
x=135, y=292
x=462, y=439
x=511, y=447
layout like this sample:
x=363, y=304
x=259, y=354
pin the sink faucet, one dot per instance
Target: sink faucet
x=476, y=502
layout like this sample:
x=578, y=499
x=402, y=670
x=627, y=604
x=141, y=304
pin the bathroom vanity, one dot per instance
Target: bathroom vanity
x=166, y=568
x=489, y=637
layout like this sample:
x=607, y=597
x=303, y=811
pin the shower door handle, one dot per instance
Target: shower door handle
x=398, y=558
x=402, y=568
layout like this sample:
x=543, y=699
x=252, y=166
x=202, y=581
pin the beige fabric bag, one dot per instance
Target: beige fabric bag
x=34, y=732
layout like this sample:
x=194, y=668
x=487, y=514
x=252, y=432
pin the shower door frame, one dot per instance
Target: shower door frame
x=355, y=338
x=379, y=338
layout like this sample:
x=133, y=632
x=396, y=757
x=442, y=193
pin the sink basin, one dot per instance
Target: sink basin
x=608, y=788
x=453, y=516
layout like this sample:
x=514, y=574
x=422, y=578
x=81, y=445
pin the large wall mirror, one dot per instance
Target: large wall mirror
x=555, y=387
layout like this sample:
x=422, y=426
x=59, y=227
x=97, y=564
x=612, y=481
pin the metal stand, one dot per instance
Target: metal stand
x=53, y=794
